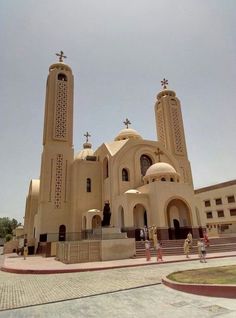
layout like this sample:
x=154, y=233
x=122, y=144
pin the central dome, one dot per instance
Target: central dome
x=128, y=133
x=160, y=168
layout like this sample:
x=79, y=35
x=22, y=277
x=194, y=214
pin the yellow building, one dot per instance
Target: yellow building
x=142, y=182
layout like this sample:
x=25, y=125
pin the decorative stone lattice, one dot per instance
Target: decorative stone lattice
x=58, y=181
x=60, y=131
x=178, y=139
x=161, y=127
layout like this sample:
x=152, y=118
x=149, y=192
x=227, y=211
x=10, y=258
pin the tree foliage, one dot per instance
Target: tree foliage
x=7, y=226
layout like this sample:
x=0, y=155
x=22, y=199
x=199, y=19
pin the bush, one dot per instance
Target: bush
x=8, y=237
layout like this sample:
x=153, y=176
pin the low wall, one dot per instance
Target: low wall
x=92, y=251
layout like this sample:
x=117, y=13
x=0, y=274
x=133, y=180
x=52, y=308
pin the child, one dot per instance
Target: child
x=147, y=250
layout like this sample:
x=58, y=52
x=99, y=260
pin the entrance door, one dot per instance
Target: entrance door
x=177, y=229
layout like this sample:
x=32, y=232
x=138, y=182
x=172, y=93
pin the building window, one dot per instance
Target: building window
x=105, y=168
x=145, y=163
x=88, y=185
x=125, y=175
x=207, y=203
x=163, y=179
x=62, y=77
x=220, y=214
x=218, y=201
x=231, y=199
x=171, y=180
x=209, y=215
x=232, y=212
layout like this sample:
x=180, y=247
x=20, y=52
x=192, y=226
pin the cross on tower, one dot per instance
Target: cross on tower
x=61, y=56
x=164, y=83
x=159, y=153
x=87, y=135
x=127, y=123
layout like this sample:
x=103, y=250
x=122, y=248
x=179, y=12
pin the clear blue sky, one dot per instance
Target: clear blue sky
x=119, y=51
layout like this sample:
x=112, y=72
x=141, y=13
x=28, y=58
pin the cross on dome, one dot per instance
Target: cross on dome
x=61, y=56
x=164, y=83
x=127, y=123
x=87, y=135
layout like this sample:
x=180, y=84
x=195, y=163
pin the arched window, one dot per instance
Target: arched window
x=125, y=175
x=105, y=168
x=62, y=232
x=145, y=163
x=163, y=179
x=61, y=77
x=171, y=180
x=88, y=185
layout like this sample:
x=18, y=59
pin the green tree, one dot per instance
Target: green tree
x=7, y=226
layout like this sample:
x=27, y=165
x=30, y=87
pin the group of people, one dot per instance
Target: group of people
x=201, y=245
x=147, y=234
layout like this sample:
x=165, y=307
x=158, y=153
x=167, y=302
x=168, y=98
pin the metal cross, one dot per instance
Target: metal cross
x=159, y=153
x=61, y=56
x=127, y=123
x=164, y=83
x=87, y=135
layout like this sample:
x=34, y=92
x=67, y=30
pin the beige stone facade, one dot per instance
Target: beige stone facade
x=145, y=182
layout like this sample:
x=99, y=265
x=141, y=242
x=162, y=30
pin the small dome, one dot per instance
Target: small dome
x=87, y=151
x=160, y=168
x=133, y=191
x=128, y=133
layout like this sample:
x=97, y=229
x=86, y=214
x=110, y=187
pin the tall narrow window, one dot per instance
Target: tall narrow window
x=125, y=175
x=145, y=163
x=105, y=168
x=88, y=185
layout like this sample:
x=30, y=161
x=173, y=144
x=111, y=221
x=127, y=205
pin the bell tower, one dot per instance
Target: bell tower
x=170, y=129
x=58, y=153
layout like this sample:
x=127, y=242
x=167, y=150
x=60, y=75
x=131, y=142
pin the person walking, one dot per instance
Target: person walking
x=147, y=250
x=141, y=234
x=190, y=238
x=159, y=251
x=202, y=250
x=25, y=252
x=187, y=248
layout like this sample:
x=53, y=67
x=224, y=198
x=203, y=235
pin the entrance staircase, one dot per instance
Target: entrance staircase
x=175, y=247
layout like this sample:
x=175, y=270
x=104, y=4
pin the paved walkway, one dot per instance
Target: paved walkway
x=123, y=291
x=39, y=264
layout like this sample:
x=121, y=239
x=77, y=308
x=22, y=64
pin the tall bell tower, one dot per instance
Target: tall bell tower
x=170, y=129
x=58, y=153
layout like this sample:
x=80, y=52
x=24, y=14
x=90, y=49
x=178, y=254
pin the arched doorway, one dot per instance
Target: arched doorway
x=96, y=222
x=179, y=221
x=62, y=233
x=140, y=219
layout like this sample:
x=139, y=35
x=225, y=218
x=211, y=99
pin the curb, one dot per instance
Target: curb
x=210, y=290
x=89, y=269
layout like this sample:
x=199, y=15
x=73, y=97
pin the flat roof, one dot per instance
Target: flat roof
x=216, y=186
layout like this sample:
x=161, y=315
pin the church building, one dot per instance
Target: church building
x=131, y=181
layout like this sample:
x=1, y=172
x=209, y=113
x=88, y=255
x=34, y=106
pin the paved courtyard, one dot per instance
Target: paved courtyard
x=127, y=292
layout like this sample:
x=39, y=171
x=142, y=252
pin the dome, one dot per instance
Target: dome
x=128, y=133
x=87, y=151
x=133, y=191
x=160, y=168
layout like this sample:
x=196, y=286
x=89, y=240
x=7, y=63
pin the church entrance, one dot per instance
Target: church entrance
x=179, y=222
x=140, y=219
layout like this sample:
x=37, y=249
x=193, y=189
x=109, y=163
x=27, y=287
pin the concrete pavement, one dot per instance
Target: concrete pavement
x=124, y=291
